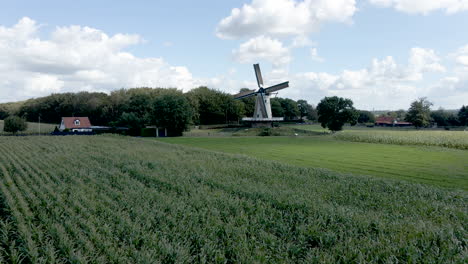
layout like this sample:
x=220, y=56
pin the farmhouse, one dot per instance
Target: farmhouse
x=76, y=124
x=390, y=121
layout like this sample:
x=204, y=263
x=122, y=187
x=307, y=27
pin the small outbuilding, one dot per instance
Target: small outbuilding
x=76, y=124
x=154, y=131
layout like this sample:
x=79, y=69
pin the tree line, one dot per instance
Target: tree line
x=137, y=108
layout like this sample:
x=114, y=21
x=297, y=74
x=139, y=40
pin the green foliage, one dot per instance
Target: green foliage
x=172, y=111
x=214, y=107
x=249, y=103
x=161, y=203
x=419, y=114
x=463, y=115
x=132, y=121
x=444, y=118
x=291, y=110
x=14, y=124
x=53, y=107
x=266, y=132
x=366, y=117
x=335, y=111
x=4, y=113
x=276, y=108
x=148, y=132
x=306, y=110
x=398, y=114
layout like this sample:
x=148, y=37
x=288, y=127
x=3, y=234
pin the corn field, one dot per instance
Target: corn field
x=448, y=139
x=111, y=199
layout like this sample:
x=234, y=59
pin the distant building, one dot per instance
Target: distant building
x=76, y=124
x=390, y=122
x=158, y=131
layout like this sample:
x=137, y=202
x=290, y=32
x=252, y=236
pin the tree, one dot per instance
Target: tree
x=306, y=110
x=3, y=112
x=14, y=124
x=276, y=108
x=132, y=122
x=442, y=117
x=398, y=114
x=463, y=115
x=249, y=103
x=291, y=111
x=366, y=117
x=419, y=113
x=172, y=111
x=213, y=107
x=335, y=111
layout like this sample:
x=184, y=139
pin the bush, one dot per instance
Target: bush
x=266, y=132
x=148, y=132
x=14, y=124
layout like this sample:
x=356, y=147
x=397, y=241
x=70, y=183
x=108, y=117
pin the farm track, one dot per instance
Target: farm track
x=71, y=201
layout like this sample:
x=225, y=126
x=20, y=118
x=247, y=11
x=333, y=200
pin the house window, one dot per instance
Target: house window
x=77, y=122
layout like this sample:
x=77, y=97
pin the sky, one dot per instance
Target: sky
x=382, y=54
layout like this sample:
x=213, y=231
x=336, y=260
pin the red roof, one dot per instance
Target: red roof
x=384, y=120
x=69, y=122
x=390, y=120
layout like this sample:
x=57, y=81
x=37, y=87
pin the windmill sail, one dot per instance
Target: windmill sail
x=258, y=74
x=262, y=113
x=277, y=87
x=245, y=94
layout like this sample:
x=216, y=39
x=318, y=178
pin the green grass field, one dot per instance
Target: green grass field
x=431, y=165
x=111, y=199
x=398, y=136
x=33, y=128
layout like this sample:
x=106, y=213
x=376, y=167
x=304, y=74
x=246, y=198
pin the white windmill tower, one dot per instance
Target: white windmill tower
x=262, y=114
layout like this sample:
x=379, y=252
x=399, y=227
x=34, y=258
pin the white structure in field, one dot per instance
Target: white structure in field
x=262, y=114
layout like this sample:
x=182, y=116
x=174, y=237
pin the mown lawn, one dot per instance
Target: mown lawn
x=110, y=199
x=430, y=165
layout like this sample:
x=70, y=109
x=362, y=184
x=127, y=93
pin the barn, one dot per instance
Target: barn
x=390, y=121
x=76, y=124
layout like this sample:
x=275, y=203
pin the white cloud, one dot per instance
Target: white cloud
x=421, y=61
x=263, y=48
x=302, y=41
x=315, y=56
x=283, y=17
x=424, y=6
x=461, y=56
x=383, y=85
x=78, y=58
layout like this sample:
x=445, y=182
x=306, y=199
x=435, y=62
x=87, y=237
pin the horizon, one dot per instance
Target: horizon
x=382, y=54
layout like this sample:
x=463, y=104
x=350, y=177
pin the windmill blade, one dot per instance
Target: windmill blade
x=258, y=74
x=263, y=107
x=277, y=87
x=245, y=94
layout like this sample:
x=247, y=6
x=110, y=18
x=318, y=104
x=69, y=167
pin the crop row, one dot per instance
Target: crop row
x=108, y=199
x=449, y=139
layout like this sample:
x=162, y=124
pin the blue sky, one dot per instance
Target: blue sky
x=381, y=53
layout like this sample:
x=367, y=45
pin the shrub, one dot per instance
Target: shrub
x=148, y=132
x=14, y=124
x=266, y=132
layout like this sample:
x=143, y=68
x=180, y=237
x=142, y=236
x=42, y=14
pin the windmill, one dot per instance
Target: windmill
x=262, y=114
